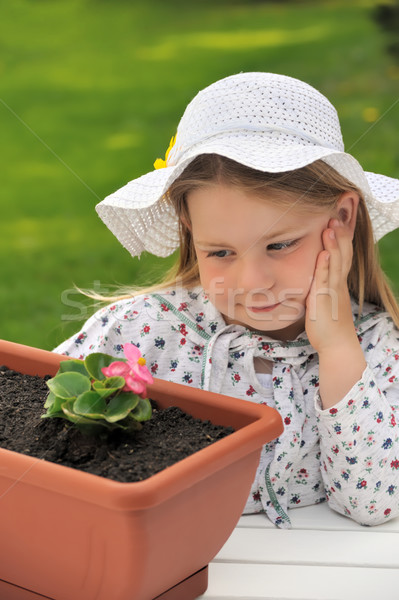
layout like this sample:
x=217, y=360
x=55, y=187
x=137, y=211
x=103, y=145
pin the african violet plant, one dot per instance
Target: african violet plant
x=100, y=393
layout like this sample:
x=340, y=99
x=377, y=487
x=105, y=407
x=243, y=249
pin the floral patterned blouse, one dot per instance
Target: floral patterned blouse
x=347, y=455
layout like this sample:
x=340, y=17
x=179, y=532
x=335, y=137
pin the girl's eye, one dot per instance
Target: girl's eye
x=282, y=245
x=219, y=253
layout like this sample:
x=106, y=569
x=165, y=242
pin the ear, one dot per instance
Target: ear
x=346, y=210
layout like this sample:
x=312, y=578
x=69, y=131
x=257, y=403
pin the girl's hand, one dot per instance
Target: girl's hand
x=329, y=320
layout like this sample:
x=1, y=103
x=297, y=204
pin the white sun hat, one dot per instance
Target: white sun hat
x=269, y=122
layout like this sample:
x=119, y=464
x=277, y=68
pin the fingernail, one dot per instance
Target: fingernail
x=332, y=234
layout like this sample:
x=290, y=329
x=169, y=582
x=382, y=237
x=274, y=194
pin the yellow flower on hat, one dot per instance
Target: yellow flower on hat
x=160, y=163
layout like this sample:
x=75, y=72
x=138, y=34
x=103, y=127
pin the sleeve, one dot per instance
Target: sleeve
x=107, y=330
x=359, y=437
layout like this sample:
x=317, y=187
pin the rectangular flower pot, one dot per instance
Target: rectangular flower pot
x=67, y=534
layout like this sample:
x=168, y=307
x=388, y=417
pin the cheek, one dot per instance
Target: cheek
x=209, y=272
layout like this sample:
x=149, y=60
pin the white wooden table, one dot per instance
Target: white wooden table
x=325, y=556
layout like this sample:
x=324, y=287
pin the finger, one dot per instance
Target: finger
x=322, y=269
x=338, y=240
x=321, y=272
x=320, y=283
x=331, y=245
x=343, y=236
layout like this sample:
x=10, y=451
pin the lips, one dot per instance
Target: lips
x=268, y=308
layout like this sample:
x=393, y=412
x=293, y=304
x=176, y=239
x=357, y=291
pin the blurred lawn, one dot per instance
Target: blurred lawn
x=92, y=91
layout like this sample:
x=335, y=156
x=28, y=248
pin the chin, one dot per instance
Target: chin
x=283, y=328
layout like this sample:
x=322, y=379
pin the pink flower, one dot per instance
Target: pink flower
x=134, y=371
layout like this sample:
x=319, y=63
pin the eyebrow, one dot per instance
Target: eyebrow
x=283, y=233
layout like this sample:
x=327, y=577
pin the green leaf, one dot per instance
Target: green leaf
x=143, y=410
x=96, y=361
x=90, y=404
x=75, y=365
x=67, y=409
x=104, y=391
x=120, y=406
x=51, y=415
x=115, y=383
x=69, y=385
x=53, y=404
x=50, y=400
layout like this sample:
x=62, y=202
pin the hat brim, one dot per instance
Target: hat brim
x=142, y=220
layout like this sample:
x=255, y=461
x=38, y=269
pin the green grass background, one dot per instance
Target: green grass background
x=91, y=93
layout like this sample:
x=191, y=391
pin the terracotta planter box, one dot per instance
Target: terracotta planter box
x=71, y=535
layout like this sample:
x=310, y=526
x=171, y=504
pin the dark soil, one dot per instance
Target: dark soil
x=168, y=437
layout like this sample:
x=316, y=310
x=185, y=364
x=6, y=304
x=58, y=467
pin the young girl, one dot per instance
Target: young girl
x=277, y=296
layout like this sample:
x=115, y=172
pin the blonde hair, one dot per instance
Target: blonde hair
x=314, y=187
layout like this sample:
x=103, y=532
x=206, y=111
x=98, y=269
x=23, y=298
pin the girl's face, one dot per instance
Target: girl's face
x=256, y=259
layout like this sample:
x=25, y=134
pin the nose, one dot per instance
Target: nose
x=255, y=274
